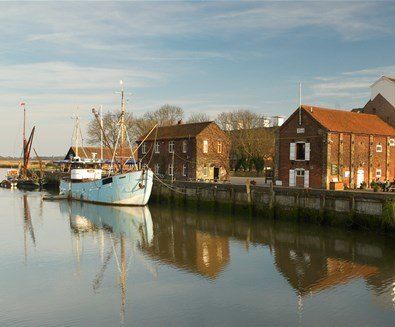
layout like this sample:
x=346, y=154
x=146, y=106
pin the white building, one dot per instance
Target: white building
x=386, y=87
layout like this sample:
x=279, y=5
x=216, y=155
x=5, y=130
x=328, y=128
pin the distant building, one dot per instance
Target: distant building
x=382, y=100
x=187, y=151
x=386, y=87
x=317, y=146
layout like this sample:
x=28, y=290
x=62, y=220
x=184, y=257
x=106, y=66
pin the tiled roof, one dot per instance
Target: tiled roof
x=348, y=121
x=87, y=152
x=178, y=131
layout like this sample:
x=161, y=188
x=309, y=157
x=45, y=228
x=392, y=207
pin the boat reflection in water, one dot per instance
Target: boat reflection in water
x=310, y=258
x=27, y=227
x=126, y=227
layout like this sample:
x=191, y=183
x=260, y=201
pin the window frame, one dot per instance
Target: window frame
x=205, y=146
x=170, y=170
x=184, y=146
x=219, y=147
x=379, y=146
x=171, y=146
x=157, y=147
x=304, y=151
x=144, y=148
x=379, y=175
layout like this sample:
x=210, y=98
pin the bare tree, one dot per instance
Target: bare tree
x=136, y=126
x=198, y=117
x=240, y=119
x=165, y=115
x=252, y=142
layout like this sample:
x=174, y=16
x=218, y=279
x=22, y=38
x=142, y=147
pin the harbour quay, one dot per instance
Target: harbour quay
x=350, y=209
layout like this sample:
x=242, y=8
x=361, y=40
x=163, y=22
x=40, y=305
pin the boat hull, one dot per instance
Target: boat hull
x=128, y=189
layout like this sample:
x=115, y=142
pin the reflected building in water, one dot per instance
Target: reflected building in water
x=312, y=259
x=183, y=247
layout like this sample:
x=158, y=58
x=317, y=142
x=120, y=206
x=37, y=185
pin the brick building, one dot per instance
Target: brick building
x=187, y=151
x=317, y=146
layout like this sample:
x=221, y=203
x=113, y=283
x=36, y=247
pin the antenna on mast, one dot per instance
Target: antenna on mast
x=300, y=103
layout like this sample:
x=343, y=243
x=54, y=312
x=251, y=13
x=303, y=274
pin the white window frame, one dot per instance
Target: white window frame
x=184, y=146
x=293, y=151
x=379, y=148
x=219, y=147
x=378, y=173
x=157, y=147
x=170, y=170
x=184, y=170
x=144, y=148
x=157, y=168
x=171, y=146
x=292, y=178
x=391, y=142
x=205, y=146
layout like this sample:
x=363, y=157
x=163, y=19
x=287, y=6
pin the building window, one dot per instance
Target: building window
x=379, y=148
x=391, y=142
x=144, y=148
x=205, y=170
x=184, y=146
x=157, y=169
x=171, y=146
x=205, y=146
x=300, y=172
x=300, y=151
x=219, y=147
x=184, y=170
x=335, y=169
x=170, y=170
x=378, y=173
x=157, y=147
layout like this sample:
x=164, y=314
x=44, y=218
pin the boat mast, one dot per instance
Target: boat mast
x=101, y=133
x=24, y=141
x=122, y=123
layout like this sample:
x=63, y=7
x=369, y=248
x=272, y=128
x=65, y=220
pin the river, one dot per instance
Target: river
x=74, y=264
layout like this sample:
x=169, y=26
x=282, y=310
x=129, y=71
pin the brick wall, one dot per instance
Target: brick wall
x=314, y=134
x=164, y=157
x=213, y=134
x=194, y=159
x=334, y=156
x=381, y=107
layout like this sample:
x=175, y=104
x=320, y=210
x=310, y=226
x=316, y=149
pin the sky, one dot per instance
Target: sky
x=63, y=58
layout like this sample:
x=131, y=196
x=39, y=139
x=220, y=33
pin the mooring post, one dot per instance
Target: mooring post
x=248, y=190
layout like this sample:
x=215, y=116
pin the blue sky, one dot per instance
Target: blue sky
x=63, y=58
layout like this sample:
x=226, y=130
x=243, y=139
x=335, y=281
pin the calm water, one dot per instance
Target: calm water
x=79, y=264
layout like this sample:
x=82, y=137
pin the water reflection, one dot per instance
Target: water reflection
x=126, y=227
x=27, y=226
x=311, y=259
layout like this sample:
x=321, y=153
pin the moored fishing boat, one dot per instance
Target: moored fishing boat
x=125, y=183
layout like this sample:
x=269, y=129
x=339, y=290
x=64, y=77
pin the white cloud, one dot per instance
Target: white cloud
x=349, y=89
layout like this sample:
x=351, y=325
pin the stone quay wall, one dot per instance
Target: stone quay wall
x=353, y=209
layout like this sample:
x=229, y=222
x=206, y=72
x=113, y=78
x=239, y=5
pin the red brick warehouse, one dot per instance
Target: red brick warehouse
x=317, y=146
x=196, y=151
